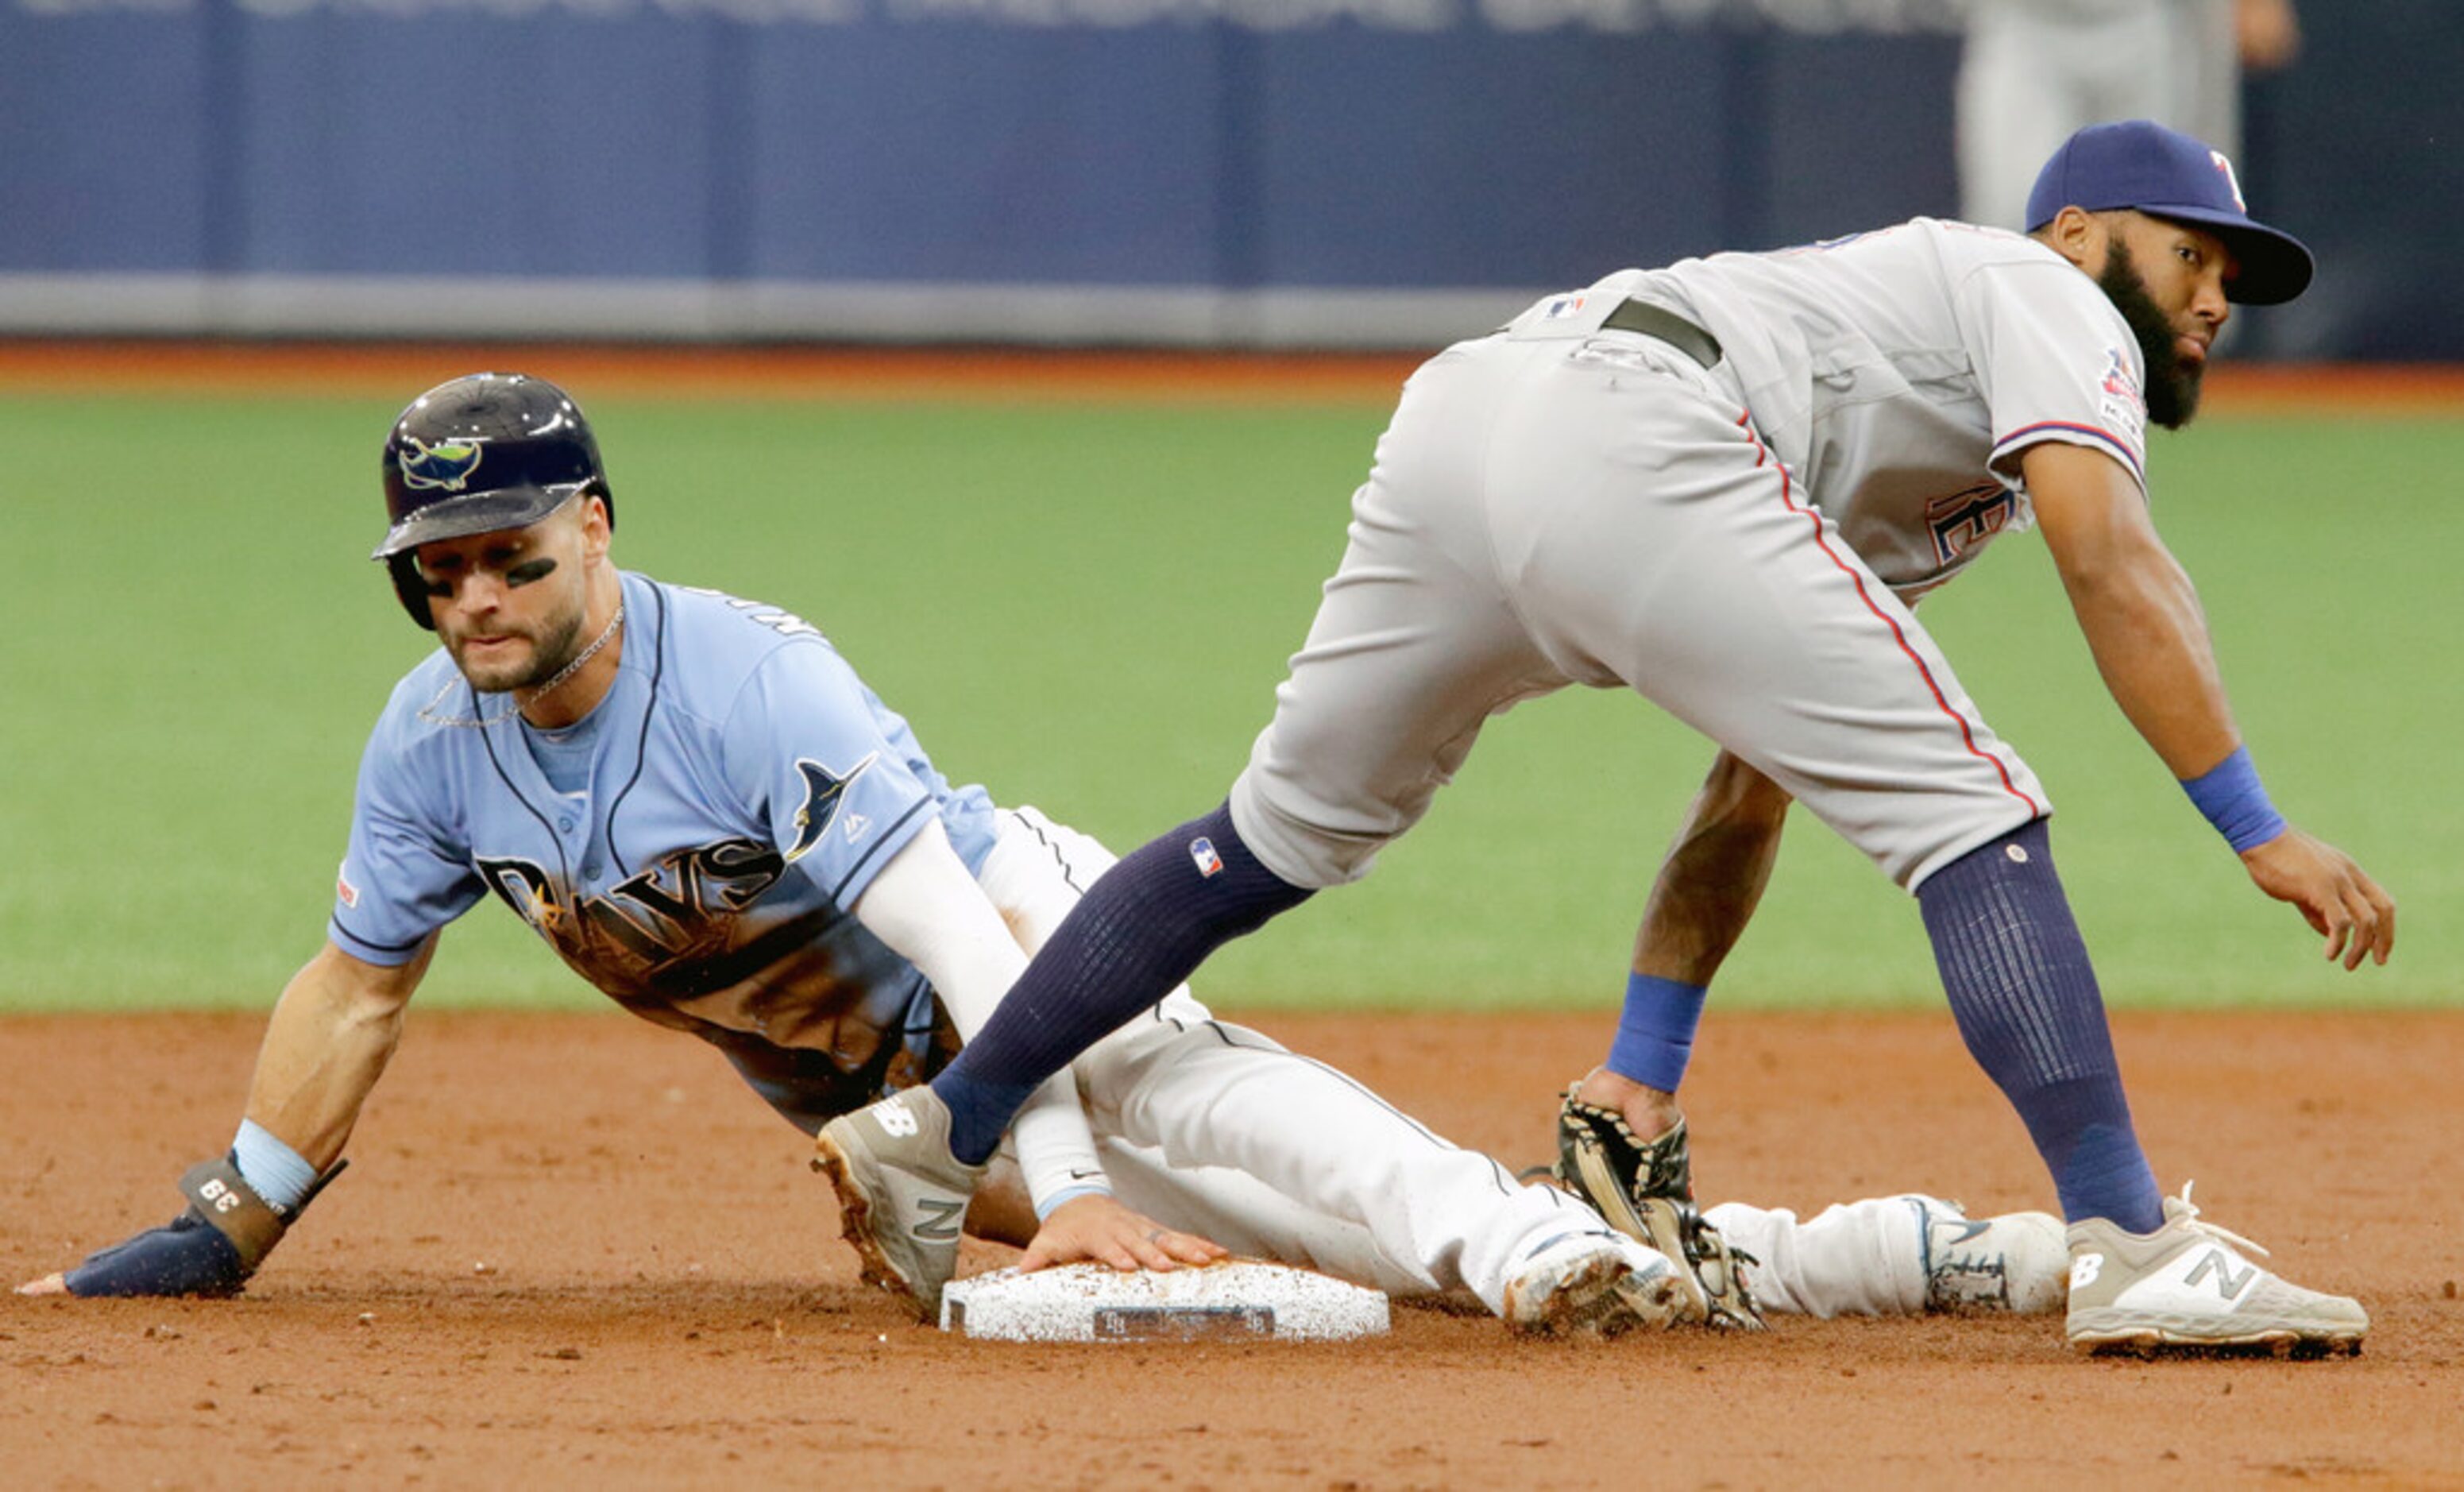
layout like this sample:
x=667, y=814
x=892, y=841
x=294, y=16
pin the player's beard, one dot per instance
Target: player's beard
x=2173, y=382
x=552, y=647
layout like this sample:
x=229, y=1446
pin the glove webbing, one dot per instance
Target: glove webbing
x=1645, y=1189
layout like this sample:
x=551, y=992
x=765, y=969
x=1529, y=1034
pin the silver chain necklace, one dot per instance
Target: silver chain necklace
x=429, y=712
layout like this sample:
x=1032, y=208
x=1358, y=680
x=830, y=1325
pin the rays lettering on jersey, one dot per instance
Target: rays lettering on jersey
x=683, y=906
x=1962, y=521
x=786, y=624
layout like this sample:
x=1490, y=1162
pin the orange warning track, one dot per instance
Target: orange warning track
x=1001, y=374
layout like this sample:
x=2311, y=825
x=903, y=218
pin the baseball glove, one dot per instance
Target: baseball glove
x=1645, y=1190
x=210, y=1249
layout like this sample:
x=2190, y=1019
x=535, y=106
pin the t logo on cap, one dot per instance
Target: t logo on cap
x=2142, y=165
x=2230, y=185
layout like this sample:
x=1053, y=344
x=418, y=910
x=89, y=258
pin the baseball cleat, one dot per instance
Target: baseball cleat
x=2189, y=1285
x=1593, y=1285
x=2017, y=1264
x=902, y=1195
x=1644, y=1189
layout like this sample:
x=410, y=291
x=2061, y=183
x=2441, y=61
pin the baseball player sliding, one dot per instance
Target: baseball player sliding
x=696, y=802
x=1722, y=485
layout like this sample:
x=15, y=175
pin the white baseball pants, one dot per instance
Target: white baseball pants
x=1217, y=1129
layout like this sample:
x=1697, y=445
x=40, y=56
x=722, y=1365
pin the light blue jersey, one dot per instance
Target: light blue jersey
x=730, y=799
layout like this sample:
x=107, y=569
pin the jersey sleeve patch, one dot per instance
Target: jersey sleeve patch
x=825, y=793
x=2121, y=401
x=2055, y=363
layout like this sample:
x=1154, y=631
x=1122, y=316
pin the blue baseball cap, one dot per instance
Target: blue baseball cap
x=2164, y=173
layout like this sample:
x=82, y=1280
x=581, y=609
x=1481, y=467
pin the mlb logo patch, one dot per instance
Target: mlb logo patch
x=2119, y=381
x=2121, y=405
x=343, y=887
x=1202, y=851
x=1562, y=307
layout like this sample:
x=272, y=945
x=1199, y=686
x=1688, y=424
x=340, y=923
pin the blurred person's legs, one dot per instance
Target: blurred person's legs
x=2034, y=70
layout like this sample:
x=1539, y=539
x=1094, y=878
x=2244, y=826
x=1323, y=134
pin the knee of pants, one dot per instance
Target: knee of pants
x=1115, y=1070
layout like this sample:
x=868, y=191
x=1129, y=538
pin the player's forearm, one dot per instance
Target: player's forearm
x=328, y=1042
x=926, y=906
x=1713, y=876
x=2149, y=638
x=2134, y=604
x=931, y=912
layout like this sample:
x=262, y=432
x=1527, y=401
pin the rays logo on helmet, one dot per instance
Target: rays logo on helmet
x=824, y=789
x=448, y=464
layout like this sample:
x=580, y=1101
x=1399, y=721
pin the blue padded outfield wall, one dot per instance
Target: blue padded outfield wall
x=1229, y=172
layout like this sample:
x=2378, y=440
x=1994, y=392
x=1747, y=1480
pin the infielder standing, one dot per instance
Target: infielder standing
x=696, y=802
x=2034, y=70
x=1721, y=485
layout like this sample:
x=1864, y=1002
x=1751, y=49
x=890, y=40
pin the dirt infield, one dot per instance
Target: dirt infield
x=574, y=1250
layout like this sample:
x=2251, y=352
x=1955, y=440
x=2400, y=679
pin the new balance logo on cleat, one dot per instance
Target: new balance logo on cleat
x=2219, y=1263
x=940, y=1219
x=896, y=1120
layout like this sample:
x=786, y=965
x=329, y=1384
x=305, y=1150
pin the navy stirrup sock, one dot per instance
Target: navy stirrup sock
x=1138, y=932
x=2026, y=1000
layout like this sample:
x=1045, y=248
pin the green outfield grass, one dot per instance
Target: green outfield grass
x=1087, y=609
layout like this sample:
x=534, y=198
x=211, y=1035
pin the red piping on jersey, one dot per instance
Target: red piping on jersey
x=1968, y=736
x=2128, y=458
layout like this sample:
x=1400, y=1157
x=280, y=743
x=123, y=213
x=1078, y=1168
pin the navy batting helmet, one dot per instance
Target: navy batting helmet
x=488, y=452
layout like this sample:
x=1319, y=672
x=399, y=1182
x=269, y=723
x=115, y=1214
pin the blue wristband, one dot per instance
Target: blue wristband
x=1655, y=1035
x=2233, y=800
x=1070, y=1193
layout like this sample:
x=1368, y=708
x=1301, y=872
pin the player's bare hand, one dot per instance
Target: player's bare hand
x=1098, y=1229
x=2333, y=895
x=48, y=1284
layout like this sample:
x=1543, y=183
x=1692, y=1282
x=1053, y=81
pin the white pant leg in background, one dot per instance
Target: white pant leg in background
x=1217, y=1129
x=2034, y=70
x=1282, y=1156
x=1853, y=1259
x=1256, y=1222
x=1224, y=1098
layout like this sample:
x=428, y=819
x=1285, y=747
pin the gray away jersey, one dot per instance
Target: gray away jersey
x=1901, y=373
x=739, y=789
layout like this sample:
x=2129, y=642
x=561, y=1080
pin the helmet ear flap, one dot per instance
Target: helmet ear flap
x=411, y=588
